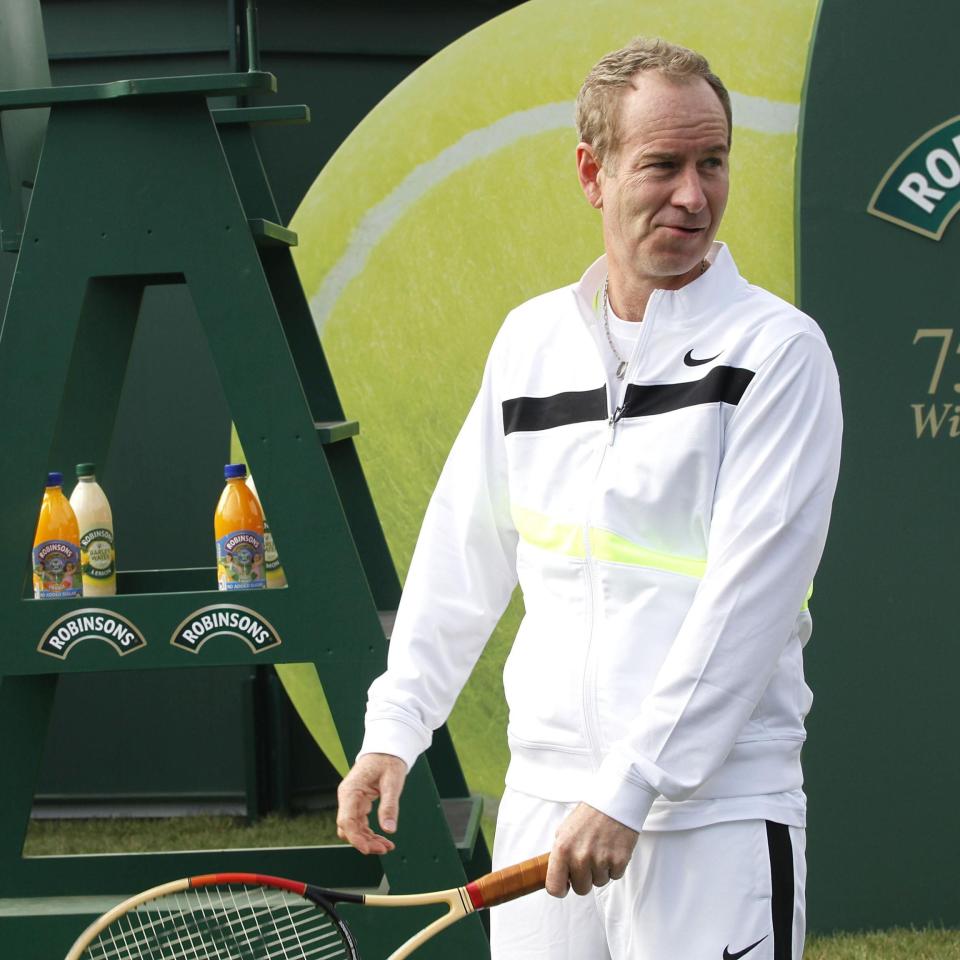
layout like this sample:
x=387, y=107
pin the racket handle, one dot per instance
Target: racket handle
x=509, y=883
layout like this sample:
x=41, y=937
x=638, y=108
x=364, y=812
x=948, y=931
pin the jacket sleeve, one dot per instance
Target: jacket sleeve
x=460, y=580
x=769, y=524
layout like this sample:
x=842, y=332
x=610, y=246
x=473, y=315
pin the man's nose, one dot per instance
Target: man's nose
x=689, y=192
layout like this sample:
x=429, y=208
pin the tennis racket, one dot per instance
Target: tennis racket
x=247, y=916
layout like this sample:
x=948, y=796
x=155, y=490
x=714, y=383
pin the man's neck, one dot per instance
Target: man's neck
x=628, y=295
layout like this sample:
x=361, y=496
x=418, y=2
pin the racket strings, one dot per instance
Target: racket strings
x=225, y=922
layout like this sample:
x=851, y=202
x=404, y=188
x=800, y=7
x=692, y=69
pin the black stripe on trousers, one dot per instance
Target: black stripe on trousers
x=781, y=882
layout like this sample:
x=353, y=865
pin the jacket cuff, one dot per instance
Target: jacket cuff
x=393, y=737
x=626, y=801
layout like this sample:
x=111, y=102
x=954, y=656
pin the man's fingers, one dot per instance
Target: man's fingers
x=568, y=871
x=368, y=842
x=558, y=878
x=373, y=776
x=590, y=850
x=600, y=876
x=355, y=804
x=356, y=831
x=581, y=878
x=391, y=784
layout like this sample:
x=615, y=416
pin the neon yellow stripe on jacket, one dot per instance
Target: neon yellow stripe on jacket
x=616, y=549
x=567, y=539
x=540, y=531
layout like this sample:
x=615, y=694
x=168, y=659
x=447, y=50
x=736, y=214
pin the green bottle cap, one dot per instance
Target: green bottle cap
x=86, y=469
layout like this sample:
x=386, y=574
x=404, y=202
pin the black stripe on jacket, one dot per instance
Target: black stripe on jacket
x=542, y=413
x=720, y=385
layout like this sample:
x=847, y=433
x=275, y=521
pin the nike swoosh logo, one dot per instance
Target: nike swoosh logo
x=690, y=362
x=727, y=955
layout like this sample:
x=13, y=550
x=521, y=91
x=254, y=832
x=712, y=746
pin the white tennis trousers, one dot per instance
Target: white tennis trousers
x=719, y=892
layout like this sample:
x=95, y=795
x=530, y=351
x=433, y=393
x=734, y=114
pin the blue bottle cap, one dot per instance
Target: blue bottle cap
x=54, y=478
x=233, y=470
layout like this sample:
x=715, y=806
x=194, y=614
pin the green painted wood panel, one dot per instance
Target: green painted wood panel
x=881, y=765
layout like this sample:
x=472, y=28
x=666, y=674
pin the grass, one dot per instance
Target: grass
x=886, y=945
x=59, y=837
x=53, y=837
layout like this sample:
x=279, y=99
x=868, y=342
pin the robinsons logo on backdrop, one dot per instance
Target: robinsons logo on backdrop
x=90, y=624
x=921, y=190
x=225, y=619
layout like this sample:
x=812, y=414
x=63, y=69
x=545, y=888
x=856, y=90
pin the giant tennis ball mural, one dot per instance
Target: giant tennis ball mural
x=457, y=198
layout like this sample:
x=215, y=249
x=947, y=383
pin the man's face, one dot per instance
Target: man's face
x=663, y=189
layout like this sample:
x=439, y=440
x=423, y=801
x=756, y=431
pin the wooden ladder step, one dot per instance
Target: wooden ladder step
x=290, y=113
x=463, y=818
x=269, y=234
x=330, y=431
x=387, y=620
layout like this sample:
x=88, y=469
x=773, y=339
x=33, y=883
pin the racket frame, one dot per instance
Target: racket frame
x=131, y=903
x=173, y=887
x=487, y=891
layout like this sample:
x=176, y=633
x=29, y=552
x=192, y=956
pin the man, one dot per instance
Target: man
x=653, y=454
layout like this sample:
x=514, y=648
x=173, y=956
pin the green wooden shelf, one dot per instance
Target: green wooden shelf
x=288, y=633
x=206, y=85
x=183, y=580
x=106, y=873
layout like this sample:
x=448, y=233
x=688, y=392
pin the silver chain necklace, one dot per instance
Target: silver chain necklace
x=621, y=363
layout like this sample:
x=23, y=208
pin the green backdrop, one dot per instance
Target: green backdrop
x=881, y=765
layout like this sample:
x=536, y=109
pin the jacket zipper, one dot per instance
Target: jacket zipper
x=591, y=720
x=612, y=424
x=631, y=362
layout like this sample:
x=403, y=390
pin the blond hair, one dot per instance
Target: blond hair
x=598, y=102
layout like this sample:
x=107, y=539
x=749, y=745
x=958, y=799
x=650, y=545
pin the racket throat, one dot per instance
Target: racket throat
x=328, y=898
x=458, y=902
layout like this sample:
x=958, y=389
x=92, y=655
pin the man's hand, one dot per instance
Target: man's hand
x=589, y=850
x=373, y=775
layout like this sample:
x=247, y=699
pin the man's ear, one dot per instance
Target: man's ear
x=590, y=173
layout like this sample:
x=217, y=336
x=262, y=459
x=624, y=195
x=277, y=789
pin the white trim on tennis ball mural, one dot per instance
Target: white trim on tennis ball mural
x=750, y=113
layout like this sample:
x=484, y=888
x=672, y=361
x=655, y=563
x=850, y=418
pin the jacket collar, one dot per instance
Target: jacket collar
x=714, y=287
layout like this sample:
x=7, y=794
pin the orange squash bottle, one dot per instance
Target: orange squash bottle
x=56, y=545
x=238, y=530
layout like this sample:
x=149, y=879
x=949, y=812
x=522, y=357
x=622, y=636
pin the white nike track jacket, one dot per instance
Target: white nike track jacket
x=665, y=545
